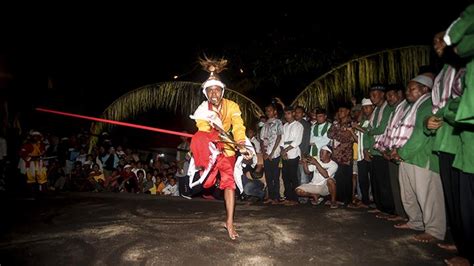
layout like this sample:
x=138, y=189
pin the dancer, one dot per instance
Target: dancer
x=221, y=132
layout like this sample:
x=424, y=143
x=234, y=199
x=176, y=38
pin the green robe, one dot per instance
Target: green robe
x=464, y=158
x=418, y=149
x=379, y=129
x=461, y=34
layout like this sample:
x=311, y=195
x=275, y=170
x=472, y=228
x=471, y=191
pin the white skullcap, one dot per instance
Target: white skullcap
x=326, y=148
x=366, y=102
x=424, y=80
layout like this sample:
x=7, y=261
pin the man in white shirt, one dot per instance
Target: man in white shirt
x=291, y=153
x=323, y=182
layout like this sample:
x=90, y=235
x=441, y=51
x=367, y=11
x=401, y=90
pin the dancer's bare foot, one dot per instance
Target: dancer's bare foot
x=457, y=261
x=448, y=247
x=231, y=231
x=425, y=238
x=402, y=226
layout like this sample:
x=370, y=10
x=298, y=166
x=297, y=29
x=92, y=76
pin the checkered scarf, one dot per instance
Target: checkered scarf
x=448, y=84
x=403, y=123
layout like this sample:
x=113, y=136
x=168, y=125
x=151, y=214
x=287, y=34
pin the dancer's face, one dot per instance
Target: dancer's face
x=214, y=94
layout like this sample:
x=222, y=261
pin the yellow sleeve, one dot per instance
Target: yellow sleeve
x=203, y=125
x=238, y=128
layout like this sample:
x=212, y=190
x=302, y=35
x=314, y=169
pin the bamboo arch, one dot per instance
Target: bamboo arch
x=389, y=66
x=173, y=96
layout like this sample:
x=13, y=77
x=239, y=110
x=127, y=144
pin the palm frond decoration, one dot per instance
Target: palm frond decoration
x=177, y=96
x=355, y=76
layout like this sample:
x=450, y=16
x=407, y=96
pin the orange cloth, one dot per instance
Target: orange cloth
x=160, y=187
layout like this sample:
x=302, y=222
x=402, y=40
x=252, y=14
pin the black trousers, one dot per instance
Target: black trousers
x=395, y=183
x=272, y=177
x=382, y=189
x=466, y=192
x=343, y=178
x=290, y=178
x=183, y=185
x=451, y=189
x=364, y=181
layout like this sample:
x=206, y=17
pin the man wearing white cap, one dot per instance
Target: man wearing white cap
x=323, y=182
x=363, y=162
x=214, y=118
x=420, y=183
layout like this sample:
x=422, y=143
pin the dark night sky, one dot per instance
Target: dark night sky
x=105, y=52
x=119, y=50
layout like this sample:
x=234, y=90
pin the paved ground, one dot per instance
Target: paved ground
x=123, y=229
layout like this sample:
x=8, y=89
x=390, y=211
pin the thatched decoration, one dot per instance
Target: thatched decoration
x=178, y=96
x=213, y=65
x=389, y=66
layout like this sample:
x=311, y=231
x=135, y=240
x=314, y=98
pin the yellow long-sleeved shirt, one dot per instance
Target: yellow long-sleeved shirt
x=231, y=117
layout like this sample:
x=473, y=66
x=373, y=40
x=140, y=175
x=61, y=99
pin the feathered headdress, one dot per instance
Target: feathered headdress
x=213, y=66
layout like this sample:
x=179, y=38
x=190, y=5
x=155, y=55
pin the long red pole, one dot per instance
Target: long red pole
x=102, y=120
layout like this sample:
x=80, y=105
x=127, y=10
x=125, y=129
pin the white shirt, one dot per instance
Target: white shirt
x=256, y=145
x=270, y=132
x=171, y=190
x=319, y=141
x=360, y=141
x=319, y=179
x=292, y=135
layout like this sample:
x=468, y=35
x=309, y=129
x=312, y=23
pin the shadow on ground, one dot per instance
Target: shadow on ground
x=124, y=229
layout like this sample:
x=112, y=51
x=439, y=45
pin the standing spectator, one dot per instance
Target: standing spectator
x=300, y=114
x=420, y=184
x=319, y=132
x=290, y=153
x=341, y=135
x=363, y=162
x=271, y=137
